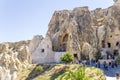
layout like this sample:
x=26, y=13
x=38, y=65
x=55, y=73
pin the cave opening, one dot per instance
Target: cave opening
x=75, y=56
x=103, y=44
x=42, y=50
x=117, y=43
x=109, y=45
x=64, y=43
x=61, y=44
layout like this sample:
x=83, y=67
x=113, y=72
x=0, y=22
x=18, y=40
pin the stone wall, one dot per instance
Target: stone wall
x=43, y=52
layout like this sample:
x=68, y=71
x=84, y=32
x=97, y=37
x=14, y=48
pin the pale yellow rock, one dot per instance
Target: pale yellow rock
x=13, y=58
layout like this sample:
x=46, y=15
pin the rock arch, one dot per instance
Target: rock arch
x=65, y=38
x=61, y=43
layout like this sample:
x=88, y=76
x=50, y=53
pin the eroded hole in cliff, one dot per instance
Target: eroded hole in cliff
x=111, y=36
x=117, y=43
x=75, y=56
x=109, y=45
x=42, y=50
x=65, y=38
x=61, y=44
x=103, y=44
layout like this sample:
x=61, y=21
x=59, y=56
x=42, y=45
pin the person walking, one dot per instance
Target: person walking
x=98, y=63
x=104, y=64
x=112, y=64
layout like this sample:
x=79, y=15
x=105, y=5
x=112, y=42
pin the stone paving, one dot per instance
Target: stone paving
x=110, y=73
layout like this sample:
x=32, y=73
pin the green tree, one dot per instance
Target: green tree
x=67, y=57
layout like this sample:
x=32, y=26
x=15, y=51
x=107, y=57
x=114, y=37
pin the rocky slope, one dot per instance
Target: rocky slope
x=58, y=72
x=13, y=58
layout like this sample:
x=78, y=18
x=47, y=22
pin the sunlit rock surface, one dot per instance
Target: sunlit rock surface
x=13, y=58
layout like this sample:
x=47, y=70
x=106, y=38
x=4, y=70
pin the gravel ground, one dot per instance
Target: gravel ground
x=110, y=73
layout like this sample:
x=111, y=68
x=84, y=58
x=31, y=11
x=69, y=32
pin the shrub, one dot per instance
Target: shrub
x=67, y=57
x=118, y=60
x=38, y=68
x=78, y=74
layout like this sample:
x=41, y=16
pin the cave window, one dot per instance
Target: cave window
x=53, y=48
x=117, y=43
x=75, y=56
x=42, y=50
x=64, y=42
x=109, y=45
x=103, y=44
x=111, y=36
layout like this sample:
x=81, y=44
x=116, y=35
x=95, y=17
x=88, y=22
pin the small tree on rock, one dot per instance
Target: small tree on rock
x=67, y=57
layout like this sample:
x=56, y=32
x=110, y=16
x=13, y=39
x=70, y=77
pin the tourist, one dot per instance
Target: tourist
x=80, y=61
x=115, y=64
x=98, y=64
x=117, y=76
x=106, y=66
x=112, y=64
x=113, y=57
x=104, y=63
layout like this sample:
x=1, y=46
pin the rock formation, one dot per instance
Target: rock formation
x=80, y=31
x=71, y=30
x=83, y=32
x=13, y=58
x=42, y=52
x=116, y=1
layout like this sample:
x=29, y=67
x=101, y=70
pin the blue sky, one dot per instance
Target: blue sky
x=22, y=19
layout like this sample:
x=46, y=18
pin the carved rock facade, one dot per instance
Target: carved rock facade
x=80, y=31
x=84, y=32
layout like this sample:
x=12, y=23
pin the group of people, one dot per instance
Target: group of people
x=106, y=65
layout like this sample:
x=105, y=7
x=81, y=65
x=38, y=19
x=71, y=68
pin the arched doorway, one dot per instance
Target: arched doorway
x=60, y=45
x=64, y=42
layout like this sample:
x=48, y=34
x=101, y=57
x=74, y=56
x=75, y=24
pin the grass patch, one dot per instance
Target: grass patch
x=55, y=72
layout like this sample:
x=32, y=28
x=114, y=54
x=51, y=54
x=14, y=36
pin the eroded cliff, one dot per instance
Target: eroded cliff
x=84, y=32
x=13, y=58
